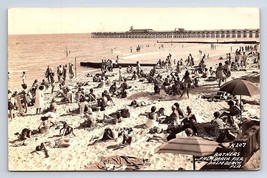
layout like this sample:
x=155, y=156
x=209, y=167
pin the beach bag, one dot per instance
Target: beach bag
x=230, y=136
x=154, y=130
x=125, y=113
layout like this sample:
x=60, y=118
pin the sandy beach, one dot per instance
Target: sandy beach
x=78, y=156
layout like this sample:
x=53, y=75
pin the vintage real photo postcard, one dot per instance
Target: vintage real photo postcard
x=133, y=89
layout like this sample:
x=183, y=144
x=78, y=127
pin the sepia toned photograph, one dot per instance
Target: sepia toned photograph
x=133, y=89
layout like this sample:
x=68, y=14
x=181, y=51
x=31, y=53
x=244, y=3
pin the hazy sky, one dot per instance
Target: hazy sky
x=86, y=20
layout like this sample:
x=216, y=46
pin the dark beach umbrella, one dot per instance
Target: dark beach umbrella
x=240, y=87
x=196, y=146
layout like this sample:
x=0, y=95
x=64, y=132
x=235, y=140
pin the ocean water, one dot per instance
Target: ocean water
x=33, y=53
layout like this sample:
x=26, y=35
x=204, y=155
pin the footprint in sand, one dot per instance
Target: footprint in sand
x=48, y=167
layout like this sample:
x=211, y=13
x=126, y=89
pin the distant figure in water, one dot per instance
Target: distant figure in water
x=23, y=77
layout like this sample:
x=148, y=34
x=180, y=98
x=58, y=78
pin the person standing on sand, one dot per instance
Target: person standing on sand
x=71, y=73
x=64, y=72
x=120, y=74
x=244, y=60
x=39, y=99
x=48, y=74
x=220, y=74
x=10, y=104
x=186, y=83
x=60, y=74
x=52, y=82
x=138, y=67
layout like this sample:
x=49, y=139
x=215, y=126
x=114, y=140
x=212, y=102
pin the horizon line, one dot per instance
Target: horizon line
x=71, y=33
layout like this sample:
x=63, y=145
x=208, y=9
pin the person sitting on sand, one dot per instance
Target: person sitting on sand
x=175, y=77
x=101, y=84
x=167, y=81
x=103, y=102
x=206, y=73
x=142, y=74
x=89, y=122
x=188, y=121
x=91, y=96
x=129, y=69
x=175, y=89
x=161, y=115
x=45, y=125
x=211, y=71
x=179, y=110
x=112, y=89
x=90, y=119
x=108, y=96
x=109, y=134
x=222, y=131
x=156, y=88
x=82, y=104
x=52, y=107
x=232, y=111
x=122, y=93
x=152, y=118
x=134, y=76
x=67, y=93
x=218, y=124
x=96, y=78
x=173, y=118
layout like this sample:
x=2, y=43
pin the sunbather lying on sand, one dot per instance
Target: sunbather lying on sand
x=59, y=143
x=109, y=134
x=42, y=129
x=136, y=103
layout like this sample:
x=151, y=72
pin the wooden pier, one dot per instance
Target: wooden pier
x=180, y=33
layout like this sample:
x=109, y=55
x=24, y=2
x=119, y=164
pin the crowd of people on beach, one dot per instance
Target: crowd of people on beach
x=179, y=77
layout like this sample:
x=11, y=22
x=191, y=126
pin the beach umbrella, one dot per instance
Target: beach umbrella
x=196, y=146
x=240, y=87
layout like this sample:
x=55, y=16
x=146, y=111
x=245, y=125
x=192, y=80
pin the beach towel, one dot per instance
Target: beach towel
x=128, y=162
